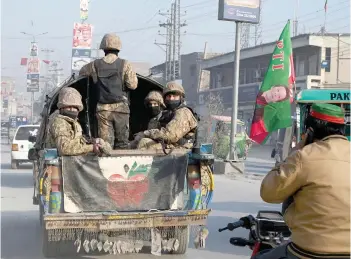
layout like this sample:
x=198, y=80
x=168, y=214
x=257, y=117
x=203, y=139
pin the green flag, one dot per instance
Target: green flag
x=273, y=102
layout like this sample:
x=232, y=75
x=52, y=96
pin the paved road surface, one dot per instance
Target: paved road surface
x=20, y=232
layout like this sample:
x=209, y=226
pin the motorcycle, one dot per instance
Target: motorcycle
x=267, y=231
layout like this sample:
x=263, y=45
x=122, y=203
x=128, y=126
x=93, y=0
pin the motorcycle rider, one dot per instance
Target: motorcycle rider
x=316, y=180
x=114, y=78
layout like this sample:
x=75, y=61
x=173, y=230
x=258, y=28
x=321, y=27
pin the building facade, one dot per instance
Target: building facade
x=319, y=61
x=190, y=75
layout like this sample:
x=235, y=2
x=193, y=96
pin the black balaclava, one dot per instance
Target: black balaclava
x=173, y=104
x=154, y=110
x=71, y=114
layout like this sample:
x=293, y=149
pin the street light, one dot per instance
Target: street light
x=33, y=35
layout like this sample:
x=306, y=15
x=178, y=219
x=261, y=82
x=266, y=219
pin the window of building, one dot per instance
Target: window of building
x=313, y=64
x=242, y=77
x=328, y=59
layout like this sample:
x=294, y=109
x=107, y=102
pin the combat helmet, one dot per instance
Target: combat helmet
x=156, y=97
x=111, y=41
x=70, y=97
x=173, y=87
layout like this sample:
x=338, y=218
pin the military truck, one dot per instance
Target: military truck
x=127, y=202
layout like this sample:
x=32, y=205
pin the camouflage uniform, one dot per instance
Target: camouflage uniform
x=154, y=123
x=183, y=123
x=156, y=97
x=65, y=133
x=113, y=118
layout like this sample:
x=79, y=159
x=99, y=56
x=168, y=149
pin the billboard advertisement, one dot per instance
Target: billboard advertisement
x=34, y=49
x=247, y=11
x=79, y=62
x=84, y=8
x=33, y=66
x=82, y=36
x=32, y=83
x=81, y=49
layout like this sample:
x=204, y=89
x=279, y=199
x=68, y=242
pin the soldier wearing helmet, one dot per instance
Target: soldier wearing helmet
x=114, y=78
x=65, y=132
x=178, y=123
x=155, y=105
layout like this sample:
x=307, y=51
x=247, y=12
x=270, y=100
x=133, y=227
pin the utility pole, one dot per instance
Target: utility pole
x=172, y=45
x=32, y=97
x=55, y=72
x=167, y=50
x=296, y=23
x=47, y=56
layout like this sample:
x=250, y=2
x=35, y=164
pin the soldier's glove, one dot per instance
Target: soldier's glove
x=104, y=147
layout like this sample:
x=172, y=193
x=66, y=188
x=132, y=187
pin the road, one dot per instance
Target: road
x=21, y=235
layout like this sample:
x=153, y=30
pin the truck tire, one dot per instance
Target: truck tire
x=14, y=164
x=182, y=234
x=56, y=248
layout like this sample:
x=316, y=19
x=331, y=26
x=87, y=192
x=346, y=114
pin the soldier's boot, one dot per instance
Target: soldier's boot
x=121, y=145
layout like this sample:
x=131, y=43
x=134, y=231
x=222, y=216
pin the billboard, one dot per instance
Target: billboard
x=82, y=36
x=32, y=83
x=34, y=49
x=33, y=66
x=81, y=49
x=247, y=11
x=84, y=8
x=79, y=62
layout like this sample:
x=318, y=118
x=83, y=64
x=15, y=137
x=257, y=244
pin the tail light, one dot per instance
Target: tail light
x=14, y=147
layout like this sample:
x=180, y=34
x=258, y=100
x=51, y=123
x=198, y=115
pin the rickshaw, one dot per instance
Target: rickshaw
x=306, y=98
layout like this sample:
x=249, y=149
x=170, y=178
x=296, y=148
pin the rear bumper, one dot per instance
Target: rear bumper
x=20, y=155
x=116, y=221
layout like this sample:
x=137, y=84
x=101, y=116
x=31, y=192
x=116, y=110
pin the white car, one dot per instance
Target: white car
x=21, y=144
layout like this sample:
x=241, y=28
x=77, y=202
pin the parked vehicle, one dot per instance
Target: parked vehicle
x=129, y=196
x=21, y=144
x=267, y=231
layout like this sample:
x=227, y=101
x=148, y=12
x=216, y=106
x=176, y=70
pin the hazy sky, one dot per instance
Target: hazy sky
x=57, y=18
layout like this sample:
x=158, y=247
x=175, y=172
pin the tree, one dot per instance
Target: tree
x=219, y=139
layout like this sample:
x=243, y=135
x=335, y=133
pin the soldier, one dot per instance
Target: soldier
x=178, y=123
x=65, y=132
x=155, y=105
x=114, y=78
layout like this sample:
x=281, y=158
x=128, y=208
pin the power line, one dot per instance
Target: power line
x=204, y=15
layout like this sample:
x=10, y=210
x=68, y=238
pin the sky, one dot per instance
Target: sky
x=136, y=22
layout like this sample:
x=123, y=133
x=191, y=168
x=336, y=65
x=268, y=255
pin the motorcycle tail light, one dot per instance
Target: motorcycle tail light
x=256, y=248
x=14, y=147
